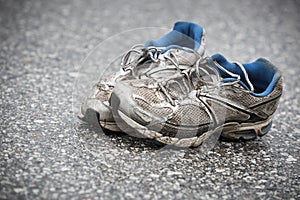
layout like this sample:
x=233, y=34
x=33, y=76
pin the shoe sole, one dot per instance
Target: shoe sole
x=231, y=131
x=247, y=131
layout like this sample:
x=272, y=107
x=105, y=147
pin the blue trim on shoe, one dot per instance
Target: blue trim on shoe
x=262, y=74
x=185, y=34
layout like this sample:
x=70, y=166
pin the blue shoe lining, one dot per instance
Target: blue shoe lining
x=262, y=74
x=184, y=34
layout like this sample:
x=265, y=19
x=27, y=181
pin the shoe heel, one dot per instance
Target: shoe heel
x=247, y=131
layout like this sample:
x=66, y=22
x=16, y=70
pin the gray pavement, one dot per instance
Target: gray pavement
x=46, y=153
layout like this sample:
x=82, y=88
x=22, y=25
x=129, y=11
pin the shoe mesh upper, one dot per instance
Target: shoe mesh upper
x=246, y=99
x=190, y=115
x=161, y=112
x=187, y=118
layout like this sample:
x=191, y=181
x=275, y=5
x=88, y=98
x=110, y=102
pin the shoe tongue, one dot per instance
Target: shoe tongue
x=186, y=58
x=206, y=75
x=165, y=67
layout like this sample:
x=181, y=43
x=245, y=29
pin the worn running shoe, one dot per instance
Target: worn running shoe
x=215, y=97
x=251, y=94
x=185, y=43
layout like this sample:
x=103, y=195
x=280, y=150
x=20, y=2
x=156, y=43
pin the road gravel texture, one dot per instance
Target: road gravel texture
x=52, y=51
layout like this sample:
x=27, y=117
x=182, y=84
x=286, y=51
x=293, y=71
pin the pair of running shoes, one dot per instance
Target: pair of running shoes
x=167, y=90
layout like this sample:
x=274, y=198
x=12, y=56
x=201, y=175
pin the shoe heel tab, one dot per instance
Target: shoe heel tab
x=183, y=25
x=264, y=61
x=267, y=64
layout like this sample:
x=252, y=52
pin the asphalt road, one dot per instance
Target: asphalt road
x=52, y=51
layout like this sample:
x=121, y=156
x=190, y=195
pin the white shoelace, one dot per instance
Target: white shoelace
x=156, y=55
x=236, y=76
